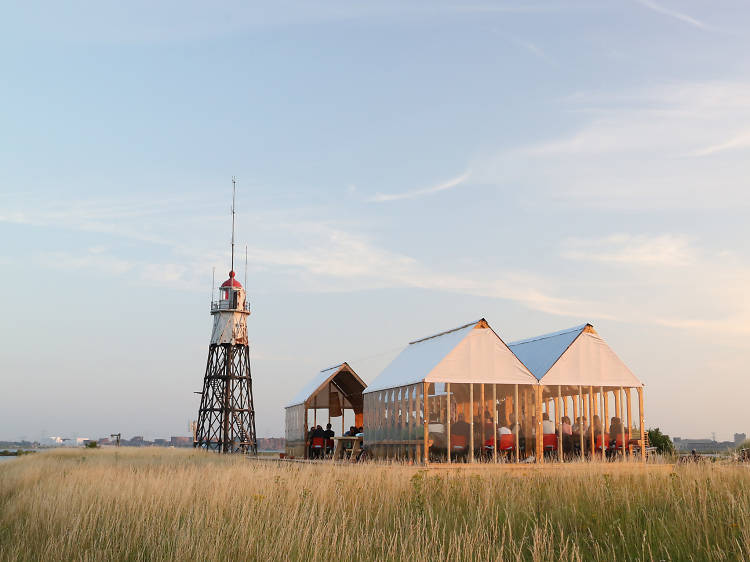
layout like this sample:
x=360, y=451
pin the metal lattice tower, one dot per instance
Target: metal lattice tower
x=226, y=417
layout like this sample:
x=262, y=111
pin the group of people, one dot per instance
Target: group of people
x=315, y=450
x=571, y=432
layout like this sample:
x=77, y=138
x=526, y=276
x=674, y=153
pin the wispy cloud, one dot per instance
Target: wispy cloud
x=444, y=186
x=737, y=142
x=673, y=14
x=661, y=250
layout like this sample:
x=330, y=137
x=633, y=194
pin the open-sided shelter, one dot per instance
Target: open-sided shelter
x=578, y=373
x=445, y=393
x=335, y=390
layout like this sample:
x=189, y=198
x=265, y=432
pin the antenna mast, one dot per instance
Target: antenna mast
x=234, y=190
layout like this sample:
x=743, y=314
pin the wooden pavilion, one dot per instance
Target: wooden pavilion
x=333, y=390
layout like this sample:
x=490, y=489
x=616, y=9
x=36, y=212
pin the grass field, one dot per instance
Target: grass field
x=154, y=504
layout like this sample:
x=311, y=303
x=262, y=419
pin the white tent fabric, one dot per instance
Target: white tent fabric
x=577, y=356
x=469, y=354
x=590, y=361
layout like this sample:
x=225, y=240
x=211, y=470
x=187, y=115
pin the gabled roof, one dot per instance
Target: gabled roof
x=470, y=353
x=347, y=382
x=576, y=357
x=541, y=352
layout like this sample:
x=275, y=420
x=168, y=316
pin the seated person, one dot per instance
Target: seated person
x=548, y=426
x=566, y=427
x=461, y=428
x=580, y=426
x=329, y=433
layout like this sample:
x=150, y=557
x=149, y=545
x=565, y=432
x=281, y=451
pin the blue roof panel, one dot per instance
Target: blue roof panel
x=541, y=352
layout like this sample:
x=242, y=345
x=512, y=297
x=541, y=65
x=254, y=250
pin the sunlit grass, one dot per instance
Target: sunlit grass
x=183, y=505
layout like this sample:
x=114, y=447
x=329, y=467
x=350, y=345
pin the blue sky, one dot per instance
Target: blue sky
x=403, y=170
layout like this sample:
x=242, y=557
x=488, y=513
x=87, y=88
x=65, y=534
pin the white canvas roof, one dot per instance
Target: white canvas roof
x=577, y=356
x=351, y=385
x=470, y=353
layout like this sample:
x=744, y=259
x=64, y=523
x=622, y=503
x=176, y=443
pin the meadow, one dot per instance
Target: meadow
x=161, y=504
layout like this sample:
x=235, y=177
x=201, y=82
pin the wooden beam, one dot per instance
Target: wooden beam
x=581, y=427
x=482, y=420
x=622, y=424
x=539, y=441
x=448, y=420
x=592, y=441
x=559, y=424
x=517, y=425
x=495, y=414
x=630, y=419
x=642, y=421
x=426, y=416
x=471, y=422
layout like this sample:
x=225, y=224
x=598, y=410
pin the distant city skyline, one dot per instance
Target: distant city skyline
x=402, y=170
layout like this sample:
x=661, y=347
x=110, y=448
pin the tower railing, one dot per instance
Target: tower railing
x=227, y=305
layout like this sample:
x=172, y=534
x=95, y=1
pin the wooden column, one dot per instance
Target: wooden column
x=622, y=424
x=559, y=424
x=495, y=413
x=518, y=426
x=580, y=425
x=606, y=412
x=642, y=421
x=508, y=407
x=307, y=435
x=315, y=410
x=565, y=407
x=618, y=406
x=630, y=419
x=426, y=415
x=539, y=426
x=448, y=421
x=471, y=422
x=591, y=421
x=482, y=408
x=602, y=415
x=576, y=400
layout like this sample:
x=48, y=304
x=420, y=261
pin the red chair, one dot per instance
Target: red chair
x=550, y=442
x=507, y=442
x=318, y=446
x=618, y=442
x=458, y=443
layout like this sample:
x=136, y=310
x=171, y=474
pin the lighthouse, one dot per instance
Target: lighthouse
x=226, y=417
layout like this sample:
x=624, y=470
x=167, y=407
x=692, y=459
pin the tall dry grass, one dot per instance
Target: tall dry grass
x=184, y=505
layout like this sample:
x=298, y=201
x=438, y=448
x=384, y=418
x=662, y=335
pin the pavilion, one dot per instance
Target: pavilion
x=333, y=390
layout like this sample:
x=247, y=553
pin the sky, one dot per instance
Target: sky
x=403, y=168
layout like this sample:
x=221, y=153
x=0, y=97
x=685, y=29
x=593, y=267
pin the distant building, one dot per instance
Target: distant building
x=178, y=441
x=161, y=442
x=702, y=445
x=739, y=438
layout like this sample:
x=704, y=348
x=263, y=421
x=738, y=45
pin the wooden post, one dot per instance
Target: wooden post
x=630, y=419
x=539, y=441
x=471, y=422
x=495, y=413
x=606, y=412
x=622, y=424
x=426, y=415
x=448, y=421
x=329, y=403
x=482, y=420
x=565, y=407
x=591, y=421
x=307, y=436
x=517, y=425
x=602, y=415
x=618, y=406
x=642, y=421
x=581, y=427
x=559, y=424
x=315, y=410
x=507, y=410
x=576, y=400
